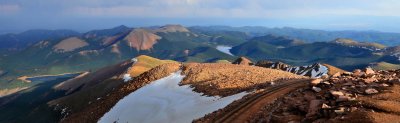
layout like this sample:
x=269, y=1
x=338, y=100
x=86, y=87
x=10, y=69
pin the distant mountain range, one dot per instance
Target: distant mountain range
x=27, y=38
x=56, y=54
x=310, y=35
x=192, y=74
x=47, y=52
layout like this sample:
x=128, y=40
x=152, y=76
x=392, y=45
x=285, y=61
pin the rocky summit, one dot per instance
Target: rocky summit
x=359, y=96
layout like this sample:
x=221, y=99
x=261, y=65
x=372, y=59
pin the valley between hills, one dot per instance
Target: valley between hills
x=179, y=74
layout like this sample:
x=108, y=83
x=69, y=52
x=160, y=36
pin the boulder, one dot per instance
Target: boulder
x=243, y=61
x=369, y=80
x=347, y=73
x=325, y=106
x=371, y=91
x=337, y=93
x=340, y=110
x=369, y=71
x=316, y=89
x=316, y=81
x=357, y=73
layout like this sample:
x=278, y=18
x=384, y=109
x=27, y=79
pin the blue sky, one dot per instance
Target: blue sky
x=82, y=15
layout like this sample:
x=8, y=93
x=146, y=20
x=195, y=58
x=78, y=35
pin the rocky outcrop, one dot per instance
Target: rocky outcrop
x=345, y=97
x=242, y=61
x=316, y=70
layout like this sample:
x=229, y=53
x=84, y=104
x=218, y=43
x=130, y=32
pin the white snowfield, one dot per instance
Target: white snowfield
x=164, y=101
x=225, y=49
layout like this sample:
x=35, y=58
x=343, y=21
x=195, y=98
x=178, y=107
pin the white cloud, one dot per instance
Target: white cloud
x=9, y=8
x=242, y=9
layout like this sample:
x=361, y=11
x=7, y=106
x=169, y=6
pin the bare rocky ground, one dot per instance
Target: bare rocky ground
x=228, y=79
x=361, y=96
x=208, y=78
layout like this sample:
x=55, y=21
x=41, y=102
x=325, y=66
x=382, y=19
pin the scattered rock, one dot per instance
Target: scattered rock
x=336, y=74
x=342, y=98
x=384, y=85
x=325, y=106
x=316, y=89
x=340, y=110
x=316, y=81
x=336, y=93
x=357, y=73
x=369, y=80
x=371, y=91
x=347, y=73
x=369, y=71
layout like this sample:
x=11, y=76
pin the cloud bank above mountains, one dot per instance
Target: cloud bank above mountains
x=334, y=14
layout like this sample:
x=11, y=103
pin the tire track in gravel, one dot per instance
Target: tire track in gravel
x=251, y=106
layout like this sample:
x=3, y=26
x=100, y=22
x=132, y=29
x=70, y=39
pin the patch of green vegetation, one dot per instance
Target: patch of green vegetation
x=384, y=66
x=349, y=42
x=223, y=61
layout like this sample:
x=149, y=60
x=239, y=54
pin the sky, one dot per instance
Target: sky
x=84, y=15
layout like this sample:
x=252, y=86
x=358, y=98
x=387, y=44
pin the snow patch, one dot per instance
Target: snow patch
x=323, y=70
x=225, y=49
x=127, y=77
x=315, y=71
x=164, y=101
x=134, y=60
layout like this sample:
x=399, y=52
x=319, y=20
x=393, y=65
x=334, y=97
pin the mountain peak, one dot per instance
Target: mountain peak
x=173, y=28
x=121, y=27
x=141, y=39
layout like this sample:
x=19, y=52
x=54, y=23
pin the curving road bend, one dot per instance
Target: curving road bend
x=244, y=111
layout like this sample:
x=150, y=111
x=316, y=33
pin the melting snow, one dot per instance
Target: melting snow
x=134, y=60
x=316, y=71
x=225, y=49
x=167, y=102
x=323, y=70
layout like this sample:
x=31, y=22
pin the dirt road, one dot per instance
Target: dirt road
x=245, y=110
